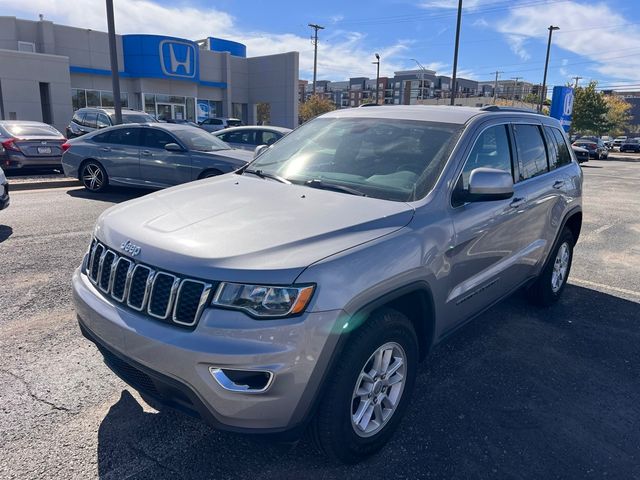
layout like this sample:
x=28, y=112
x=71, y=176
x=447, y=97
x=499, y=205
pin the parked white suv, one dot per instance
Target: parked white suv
x=215, y=124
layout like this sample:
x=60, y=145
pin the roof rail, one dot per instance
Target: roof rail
x=498, y=108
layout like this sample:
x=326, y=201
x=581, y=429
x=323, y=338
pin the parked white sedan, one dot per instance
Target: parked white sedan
x=248, y=138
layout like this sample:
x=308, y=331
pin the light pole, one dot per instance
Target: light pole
x=113, y=53
x=423, y=71
x=377, y=62
x=314, y=41
x=455, y=54
x=543, y=94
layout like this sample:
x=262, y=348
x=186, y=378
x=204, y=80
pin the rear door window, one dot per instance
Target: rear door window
x=125, y=136
x=532, y=155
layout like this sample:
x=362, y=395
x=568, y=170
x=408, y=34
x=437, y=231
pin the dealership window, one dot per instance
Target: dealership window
x=240, y=110
x=81, y=98
x=26, y=47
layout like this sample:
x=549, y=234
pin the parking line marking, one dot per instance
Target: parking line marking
x=587, y=283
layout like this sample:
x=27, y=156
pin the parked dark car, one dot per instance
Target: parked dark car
x=582, y=154
x=4, y=191
x=596, y=147
x=631, y=145
x=88, y=119
x=154, y=155
x=25, y=144
x=248, y=138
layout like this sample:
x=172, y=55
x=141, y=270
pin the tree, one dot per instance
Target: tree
x=314, y=106
x=590, y=110
x=618, y=116
x=264, y=113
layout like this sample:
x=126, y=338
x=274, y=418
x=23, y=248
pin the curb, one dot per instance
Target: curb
x=15, y=187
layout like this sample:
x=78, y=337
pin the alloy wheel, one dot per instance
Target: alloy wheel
x=92, y=177
x=560, y=267
x=378, y=389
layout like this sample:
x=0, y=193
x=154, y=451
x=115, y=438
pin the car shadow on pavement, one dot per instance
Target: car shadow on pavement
x=111, y=194
x=520, y=392
x=5, y=232
x=589, y=166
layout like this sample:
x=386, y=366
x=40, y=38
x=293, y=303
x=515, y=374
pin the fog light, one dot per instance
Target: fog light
x=244, y=381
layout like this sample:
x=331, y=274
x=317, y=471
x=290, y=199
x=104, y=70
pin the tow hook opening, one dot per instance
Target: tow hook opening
x=244, y=381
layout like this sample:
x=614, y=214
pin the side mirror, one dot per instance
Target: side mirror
x=259, y=150
x=487, y=184
x=173, y=147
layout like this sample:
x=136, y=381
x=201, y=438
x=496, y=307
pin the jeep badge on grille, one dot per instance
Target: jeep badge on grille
x=131, y=248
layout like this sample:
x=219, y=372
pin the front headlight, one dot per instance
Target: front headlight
x=262, y=300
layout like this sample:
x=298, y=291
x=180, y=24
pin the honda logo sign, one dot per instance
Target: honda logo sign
x=178, y=59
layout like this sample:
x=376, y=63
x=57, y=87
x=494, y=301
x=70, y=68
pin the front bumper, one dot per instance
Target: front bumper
x=171, y=365
x=18, y=161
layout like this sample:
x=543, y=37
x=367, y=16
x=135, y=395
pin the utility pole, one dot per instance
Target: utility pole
x=515, y=86
x=495, y=86
x=577, y=79
x=377, y=62
x=113, y=53
x=314, y=42
x=455, y=55
x=543, y=93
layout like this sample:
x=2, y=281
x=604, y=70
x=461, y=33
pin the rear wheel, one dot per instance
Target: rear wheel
x=369, y=389
x=553, y=279
x=93, y=176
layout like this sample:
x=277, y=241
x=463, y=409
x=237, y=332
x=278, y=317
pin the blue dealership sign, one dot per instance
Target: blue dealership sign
x=562, y=106
x=155, y=56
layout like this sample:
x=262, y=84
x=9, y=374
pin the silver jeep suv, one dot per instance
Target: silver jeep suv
x=301, y=291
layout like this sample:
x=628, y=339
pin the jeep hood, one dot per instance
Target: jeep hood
x=246, y=229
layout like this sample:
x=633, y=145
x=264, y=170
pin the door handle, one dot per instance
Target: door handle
x=516, y=202
x=146, y=152
x=105, y=149
x=558, y=184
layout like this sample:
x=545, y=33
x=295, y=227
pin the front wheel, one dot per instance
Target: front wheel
x=369, y=389
x=93, y=176
x=553, y=279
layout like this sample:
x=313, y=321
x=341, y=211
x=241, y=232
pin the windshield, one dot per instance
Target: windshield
x=196, y=139
x=134, y=118
x=383, y=158
x=26, y=130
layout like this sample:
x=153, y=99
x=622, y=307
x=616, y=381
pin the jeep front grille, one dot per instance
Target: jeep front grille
x=162, y=295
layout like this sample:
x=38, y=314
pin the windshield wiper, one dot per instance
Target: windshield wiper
x=316, y=183
x=263, y=174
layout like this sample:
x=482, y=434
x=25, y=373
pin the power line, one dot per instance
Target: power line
x=499, y=6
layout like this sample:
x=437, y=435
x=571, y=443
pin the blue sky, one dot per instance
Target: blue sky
x=598, y=39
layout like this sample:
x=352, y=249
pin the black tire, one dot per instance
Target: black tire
x=93, y=176
x=332, y=429
x=544, y=292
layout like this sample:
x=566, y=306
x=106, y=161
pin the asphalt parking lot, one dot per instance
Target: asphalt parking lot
x=519, y=393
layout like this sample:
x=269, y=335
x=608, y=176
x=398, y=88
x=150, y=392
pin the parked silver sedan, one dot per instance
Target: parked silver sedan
x=154, y=155
x=248, y=138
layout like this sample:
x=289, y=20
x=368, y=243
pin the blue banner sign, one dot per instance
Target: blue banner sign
x=562, y=106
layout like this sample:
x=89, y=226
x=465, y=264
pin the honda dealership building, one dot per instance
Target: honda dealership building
x=47, y=71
